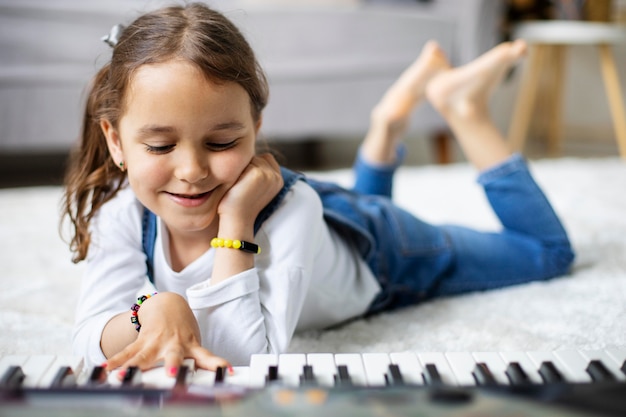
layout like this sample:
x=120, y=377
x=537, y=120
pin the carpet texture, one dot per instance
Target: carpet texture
x=584, y=310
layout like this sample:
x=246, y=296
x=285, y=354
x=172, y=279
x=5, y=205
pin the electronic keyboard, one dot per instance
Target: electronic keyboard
x=416, y=383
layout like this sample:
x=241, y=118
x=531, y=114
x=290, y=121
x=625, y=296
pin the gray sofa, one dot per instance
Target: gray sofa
x=327, y=63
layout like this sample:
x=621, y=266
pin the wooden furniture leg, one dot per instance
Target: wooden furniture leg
x=614, y=95
x=523, y=109
x=555, y=102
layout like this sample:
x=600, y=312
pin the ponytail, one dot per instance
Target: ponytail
x=92, y=178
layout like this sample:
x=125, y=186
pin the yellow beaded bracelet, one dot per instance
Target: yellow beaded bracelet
x=218, y=242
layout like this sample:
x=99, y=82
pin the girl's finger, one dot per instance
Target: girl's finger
x=172, y=359
x=206, y=360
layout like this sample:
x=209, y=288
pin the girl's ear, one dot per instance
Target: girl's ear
x=257, y=127
x=113, y=141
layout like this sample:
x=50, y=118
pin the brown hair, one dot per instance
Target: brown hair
x=194, y=33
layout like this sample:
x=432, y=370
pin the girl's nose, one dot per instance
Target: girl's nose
x=192, y=167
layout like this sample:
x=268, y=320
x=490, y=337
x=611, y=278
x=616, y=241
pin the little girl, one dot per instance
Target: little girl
x=167, y=163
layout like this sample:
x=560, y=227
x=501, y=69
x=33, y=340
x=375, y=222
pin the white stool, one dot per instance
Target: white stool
x=549, y=40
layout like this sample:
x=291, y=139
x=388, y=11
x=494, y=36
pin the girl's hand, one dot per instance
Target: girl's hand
x=169, y=333
x=255, y=188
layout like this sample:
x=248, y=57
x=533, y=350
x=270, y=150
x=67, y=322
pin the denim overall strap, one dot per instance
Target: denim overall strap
x=149, y=221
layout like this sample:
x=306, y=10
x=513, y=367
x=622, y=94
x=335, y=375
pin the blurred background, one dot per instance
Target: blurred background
x=328, y=62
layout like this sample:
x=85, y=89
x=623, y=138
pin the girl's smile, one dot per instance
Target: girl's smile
x=184, y=140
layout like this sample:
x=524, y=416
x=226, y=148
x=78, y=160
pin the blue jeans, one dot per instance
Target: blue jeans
x=417, y=261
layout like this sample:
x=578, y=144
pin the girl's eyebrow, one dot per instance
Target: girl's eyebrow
x=152, y=129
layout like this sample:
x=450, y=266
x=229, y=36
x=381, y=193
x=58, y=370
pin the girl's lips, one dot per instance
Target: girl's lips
x=189, y=200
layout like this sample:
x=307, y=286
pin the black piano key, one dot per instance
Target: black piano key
x=98, y=376
x=483, y=375
x=181, y=377
x=272, y=374
x=431, y=375
x=394, y=377
x=599, y=372
x=343, y=376
x=12, y=378
x=516, y=374
x=132, y=376
x=307, y=377
x=623, y=368
x=64, y=377
x=549, y=373
x=220, y=375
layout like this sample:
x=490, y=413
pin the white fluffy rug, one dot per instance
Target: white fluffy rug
x=586, y=310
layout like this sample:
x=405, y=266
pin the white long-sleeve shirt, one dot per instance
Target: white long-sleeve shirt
x=305, y=277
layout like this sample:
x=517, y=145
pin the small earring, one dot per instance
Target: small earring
x=122, y=165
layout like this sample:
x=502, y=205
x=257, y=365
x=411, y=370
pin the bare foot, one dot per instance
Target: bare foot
x=465, y=91
x=391, y=115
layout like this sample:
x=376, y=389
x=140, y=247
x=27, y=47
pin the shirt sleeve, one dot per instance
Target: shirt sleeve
x=115, y=273
x=257, y=311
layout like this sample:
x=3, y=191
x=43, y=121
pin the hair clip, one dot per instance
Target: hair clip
x=114, y=35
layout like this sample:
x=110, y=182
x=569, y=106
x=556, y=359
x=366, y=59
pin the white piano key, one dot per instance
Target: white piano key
x=495, y=364
x=376, y=367
x=259, y=365
x=75, y=362
x=538, y=357
x=575, y=365
x=525, y=362
x=439, y=360
x=410, y=367
x=619, y=355
x=324, y=368
x=611, y=364
x=35, y=368
x=290, y=366
x=158, y=377
x=355, y=367
x=462, y=364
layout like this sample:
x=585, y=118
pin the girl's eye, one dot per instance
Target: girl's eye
x=159, y=149
x=218, y=146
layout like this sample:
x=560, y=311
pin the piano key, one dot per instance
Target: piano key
x=272, y=374
x=524, y=361
x=431, y=375
x=599, y=372
x=97, y=377
x=132, y=376
x=259, y=367
x=574, y=366
x=12, y=377
x=483, y=375
x=240, y=377
x=64, y=378
x=550, y=373
x=324, y=368
x=462, y=364
x=11, y=360
x=516, y=374
x=439, y=360
x=220, y=375
x=619, y=356
x=76, y=363
x=610, y=361
x=549, y=366
x=409, y=366
x=355, y=367
x=495, y=364
x=376, y=366
x=394, y=375
x=290, y=366
x=35, y=368
x=342, y=378
x=308, y=376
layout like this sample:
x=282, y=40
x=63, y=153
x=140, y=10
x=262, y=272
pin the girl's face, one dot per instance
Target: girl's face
x=184, y=141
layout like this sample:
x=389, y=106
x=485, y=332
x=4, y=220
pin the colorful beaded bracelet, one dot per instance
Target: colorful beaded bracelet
x=218, y=242
x=134, y=318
